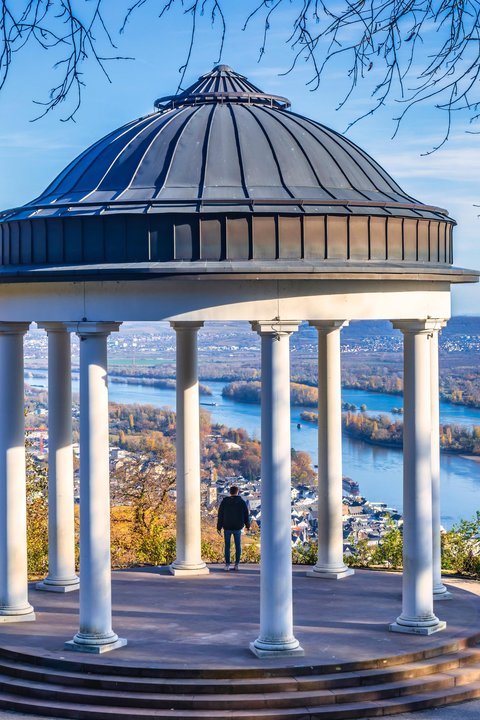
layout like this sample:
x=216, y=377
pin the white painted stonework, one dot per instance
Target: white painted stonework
x=274, y=307
x=188, y=560
x=201, y=300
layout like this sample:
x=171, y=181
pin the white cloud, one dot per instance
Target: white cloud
x=452, y=164
x=27, y=141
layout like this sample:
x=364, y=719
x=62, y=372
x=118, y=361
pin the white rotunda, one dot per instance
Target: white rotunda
x=223, y=204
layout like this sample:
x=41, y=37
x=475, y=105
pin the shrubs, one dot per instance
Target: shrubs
x=155, y=547
x=388, y=553
x=37, y=516
x=143, y=530
x=461, y=548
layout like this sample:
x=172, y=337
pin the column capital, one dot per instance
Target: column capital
x=14, y=328
x=275, y=327
x=419, y=326
x=54, y=327
x=328, y=325
x=90, y=328
x=179, y=325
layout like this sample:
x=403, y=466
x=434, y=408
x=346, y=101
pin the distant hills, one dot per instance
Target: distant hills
x=358, y=329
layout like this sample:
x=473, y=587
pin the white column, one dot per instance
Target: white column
x=188, y=559
x=61, y=522
x=276, y=608
x=440, y=592
x=95, y=633
x=330, y=563
x=14, y=605
x=417, y=598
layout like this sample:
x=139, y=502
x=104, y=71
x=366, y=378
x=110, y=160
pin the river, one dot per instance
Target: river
x=377, y=470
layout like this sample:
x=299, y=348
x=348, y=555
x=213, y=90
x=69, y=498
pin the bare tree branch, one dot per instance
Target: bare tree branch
x=415, y=51
x=76, y=35
x=440, y=38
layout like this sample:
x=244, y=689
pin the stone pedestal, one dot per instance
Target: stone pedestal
x=276, y=611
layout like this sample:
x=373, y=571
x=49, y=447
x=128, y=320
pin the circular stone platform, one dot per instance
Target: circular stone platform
x=208, y=622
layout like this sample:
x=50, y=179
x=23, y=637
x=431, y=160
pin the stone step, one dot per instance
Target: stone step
x=288, y=683
x=232, y=702
x=61, y=688
x=405, y=671
x=52, y=709
x=93, y=667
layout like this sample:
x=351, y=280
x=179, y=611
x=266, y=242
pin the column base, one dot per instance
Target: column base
x=417, y=629
x=58, y=586
x=324, y=573
x=188, y=570
x=441, y=593
x=80, y=647
x=27, y=617
x=276, y=649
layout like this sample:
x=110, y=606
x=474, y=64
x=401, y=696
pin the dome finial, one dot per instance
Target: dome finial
x=223, y=68
x=222, y=85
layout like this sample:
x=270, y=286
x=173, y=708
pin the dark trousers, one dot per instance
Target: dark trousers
x=236, y=536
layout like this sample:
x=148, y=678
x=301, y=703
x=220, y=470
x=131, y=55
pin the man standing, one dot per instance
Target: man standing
x=232, y=517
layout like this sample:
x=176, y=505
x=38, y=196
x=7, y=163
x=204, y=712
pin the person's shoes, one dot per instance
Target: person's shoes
x=235, y=567
x=227, y=568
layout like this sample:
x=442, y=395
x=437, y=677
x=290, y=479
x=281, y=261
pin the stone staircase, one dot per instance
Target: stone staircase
x=96, y=691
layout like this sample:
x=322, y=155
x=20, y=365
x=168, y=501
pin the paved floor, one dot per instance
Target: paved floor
x=209, y=621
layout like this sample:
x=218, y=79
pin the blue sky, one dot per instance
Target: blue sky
x=32, y=153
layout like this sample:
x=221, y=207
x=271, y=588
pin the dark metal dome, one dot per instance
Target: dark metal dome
x=223, y=171
x=223, y=140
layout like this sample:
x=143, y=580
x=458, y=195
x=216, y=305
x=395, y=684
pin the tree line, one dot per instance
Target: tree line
x=381, y=430
x=459, y=385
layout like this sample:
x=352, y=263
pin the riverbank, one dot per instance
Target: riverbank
x=382, y=431
x=457, y=399
x=378, y=470
x=453, y=389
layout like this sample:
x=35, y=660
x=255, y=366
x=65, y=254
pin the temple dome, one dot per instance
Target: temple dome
x=221, y=140
x=224, y=151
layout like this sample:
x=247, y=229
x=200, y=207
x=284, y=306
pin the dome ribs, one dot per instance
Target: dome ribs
x=64, y=173
x=172, y=164
x=75, y=165
x=354, y=150
x=205, y=152
x=172, y=151
x=305, y=124
x=280, y=118
x=272, y=150
x=158, y=127
x=96, y=165
x=174, y=118
x=239, y=152
x=374, y=165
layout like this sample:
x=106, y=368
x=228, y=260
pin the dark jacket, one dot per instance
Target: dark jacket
x=233, y=514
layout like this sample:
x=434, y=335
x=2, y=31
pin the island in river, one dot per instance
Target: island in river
x=382, y=430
